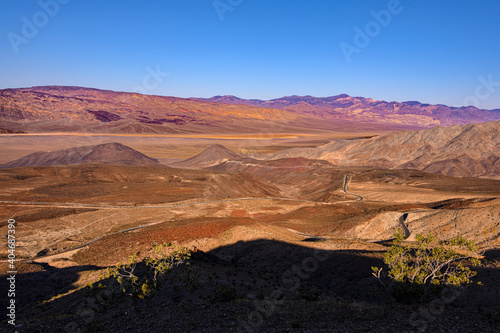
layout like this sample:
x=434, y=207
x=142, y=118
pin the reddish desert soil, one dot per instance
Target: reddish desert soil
x=246, y=237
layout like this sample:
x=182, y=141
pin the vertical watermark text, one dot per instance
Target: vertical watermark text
x=11, y=273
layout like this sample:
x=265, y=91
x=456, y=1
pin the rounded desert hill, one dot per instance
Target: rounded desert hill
x=213, y=155
x=107, y=153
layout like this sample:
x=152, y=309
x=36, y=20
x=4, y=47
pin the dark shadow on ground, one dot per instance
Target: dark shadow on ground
x=309, y=290
x=41, y=284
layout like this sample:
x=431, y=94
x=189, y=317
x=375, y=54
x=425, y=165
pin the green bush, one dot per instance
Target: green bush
x=420, y=272
x=144, y=279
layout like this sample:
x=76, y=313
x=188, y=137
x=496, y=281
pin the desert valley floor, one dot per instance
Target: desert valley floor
x=299, y=227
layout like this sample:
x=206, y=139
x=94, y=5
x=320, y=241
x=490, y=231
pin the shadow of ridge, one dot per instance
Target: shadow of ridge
x=35, y=287
x=339, y=277
x=264, y=264
x=345, y=273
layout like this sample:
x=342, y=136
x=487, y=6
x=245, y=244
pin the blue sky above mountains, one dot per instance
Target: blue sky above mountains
x=433, y=51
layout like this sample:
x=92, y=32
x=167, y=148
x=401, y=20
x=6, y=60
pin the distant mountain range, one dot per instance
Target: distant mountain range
x=77, y=109
x=345, y=107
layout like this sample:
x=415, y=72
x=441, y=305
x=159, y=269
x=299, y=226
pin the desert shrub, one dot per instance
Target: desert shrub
x=144, y=278
x=420, y=272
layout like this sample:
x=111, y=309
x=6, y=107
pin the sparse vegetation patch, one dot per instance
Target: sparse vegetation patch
x=144, y=279
x=418, y=273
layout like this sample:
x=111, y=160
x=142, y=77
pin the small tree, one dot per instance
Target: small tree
x=421, y=271
x=144, y=280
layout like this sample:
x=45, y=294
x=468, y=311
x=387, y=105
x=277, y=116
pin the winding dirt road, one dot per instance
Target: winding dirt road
x=346, y=184
x=402, y=220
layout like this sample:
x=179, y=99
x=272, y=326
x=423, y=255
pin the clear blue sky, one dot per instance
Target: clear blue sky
x=430, y=51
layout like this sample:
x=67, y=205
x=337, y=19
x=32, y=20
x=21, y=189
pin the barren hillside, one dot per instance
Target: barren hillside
x=460, y=151
x=78, y=109
x=108, y=153
x=345, y=107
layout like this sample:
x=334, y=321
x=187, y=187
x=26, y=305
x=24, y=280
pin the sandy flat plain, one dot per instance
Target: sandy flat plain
x=166, y=146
